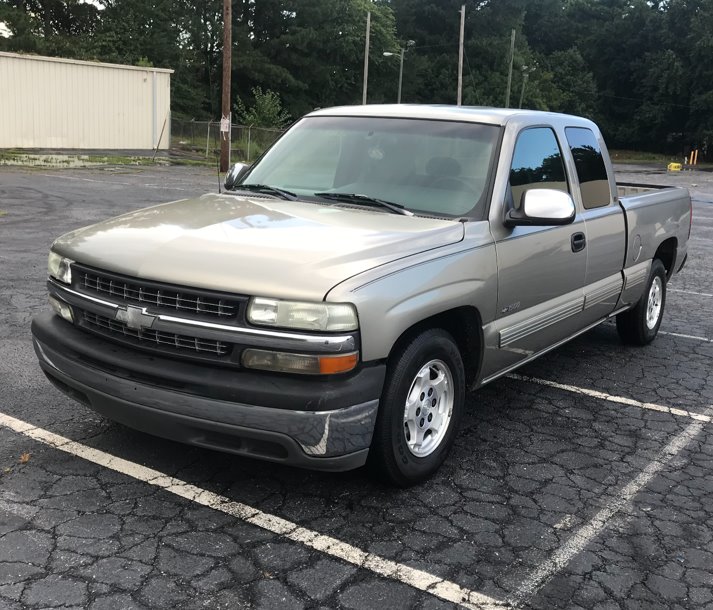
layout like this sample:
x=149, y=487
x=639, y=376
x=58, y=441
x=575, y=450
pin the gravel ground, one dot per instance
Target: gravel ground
x=582, y=492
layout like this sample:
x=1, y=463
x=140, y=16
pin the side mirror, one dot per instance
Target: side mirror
x=542, y=207
x=234, y=174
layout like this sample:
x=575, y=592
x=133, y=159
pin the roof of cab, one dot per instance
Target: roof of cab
x=475, y=114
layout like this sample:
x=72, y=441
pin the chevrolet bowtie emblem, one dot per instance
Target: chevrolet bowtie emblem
x=134, y=317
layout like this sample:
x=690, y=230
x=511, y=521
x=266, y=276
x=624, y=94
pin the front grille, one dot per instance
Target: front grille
x=131, y=290
x=154, y=338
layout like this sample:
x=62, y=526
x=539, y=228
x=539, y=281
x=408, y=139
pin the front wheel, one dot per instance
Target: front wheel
x=420, y=409
x=639, y=325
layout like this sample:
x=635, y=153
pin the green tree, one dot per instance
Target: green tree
x=266, y=110
x=700, y=69
x=313, y=53
x=566, y=84
x=641, y=68
x=51, y=27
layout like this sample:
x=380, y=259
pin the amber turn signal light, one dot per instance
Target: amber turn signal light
x=330, y=365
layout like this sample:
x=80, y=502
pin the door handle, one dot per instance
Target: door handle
x=579, y=241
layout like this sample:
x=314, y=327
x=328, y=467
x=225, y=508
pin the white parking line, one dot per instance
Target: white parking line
x=700, y=294
x=616, y=399
x=682, y=336
x=111, y=182
x=539, y=577
x=418, y=579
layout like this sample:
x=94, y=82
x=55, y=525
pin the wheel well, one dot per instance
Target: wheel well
x=666, y=253
x=464, y=325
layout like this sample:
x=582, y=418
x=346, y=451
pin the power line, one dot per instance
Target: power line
x=435, y=46
x=472, y=79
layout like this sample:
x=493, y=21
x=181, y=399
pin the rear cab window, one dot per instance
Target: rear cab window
x=591, y=169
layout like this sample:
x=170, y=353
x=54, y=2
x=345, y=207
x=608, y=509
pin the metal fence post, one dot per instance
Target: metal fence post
x=207, y=140
x=186, y=135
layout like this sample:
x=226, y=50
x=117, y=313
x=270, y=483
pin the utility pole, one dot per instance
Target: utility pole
x=512, y=56
x=366, y=57
x=225, y=121
x=460, y=55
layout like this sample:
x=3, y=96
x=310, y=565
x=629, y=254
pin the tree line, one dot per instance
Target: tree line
x=641, y=68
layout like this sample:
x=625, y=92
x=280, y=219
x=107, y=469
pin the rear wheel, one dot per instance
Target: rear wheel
x=640, y=325
x=420, y=410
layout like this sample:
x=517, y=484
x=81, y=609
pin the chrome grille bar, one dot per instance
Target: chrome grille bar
x=134, y=291
x=158, y=338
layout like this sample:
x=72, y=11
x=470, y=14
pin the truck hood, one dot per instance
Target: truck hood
x=254, y=246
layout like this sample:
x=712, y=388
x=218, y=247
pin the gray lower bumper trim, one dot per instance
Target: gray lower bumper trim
x=326, y=440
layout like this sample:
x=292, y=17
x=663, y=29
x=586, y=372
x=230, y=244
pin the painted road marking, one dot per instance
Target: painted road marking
x=112, y=183
x=616, y=399
x=682, y=336
x=539, y=577
x=418, y=579
x=700, y=294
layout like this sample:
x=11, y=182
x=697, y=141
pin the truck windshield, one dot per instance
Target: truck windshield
x=430, y=167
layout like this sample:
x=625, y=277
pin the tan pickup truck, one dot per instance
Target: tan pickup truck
x=334, y=305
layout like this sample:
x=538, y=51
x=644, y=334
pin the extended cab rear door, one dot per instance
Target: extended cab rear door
x=603, y=220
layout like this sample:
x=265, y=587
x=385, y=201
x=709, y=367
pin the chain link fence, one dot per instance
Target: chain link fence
x=201, y=139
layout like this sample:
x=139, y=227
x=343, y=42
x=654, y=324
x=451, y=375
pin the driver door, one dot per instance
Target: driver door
x=541, y=269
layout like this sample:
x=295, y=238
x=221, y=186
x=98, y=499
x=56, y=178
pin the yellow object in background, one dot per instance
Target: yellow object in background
x=674, y=167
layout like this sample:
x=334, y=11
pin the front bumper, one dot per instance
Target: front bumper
x=312, y=423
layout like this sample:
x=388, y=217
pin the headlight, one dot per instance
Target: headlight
x=303, y=316
x=59, y=268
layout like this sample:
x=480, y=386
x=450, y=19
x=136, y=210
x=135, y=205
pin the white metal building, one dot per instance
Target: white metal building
x=49, y=102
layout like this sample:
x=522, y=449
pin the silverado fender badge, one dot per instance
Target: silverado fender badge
x=511, y=308
x=135, y=318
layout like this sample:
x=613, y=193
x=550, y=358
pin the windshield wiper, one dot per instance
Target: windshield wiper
x=267, y=189
x=357, y=198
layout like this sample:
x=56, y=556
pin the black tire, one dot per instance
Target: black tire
x=635, y=325
x=390, y=456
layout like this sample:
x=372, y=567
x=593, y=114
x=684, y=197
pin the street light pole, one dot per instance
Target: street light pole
x=525, y=76
x=512, y=56
x=522, y=91
x=366, y=57
x=401, y=75
x=409, y=44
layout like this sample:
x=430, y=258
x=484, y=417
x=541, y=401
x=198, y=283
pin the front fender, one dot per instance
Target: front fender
x=393, y=298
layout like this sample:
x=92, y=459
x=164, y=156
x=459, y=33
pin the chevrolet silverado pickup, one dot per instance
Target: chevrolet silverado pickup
x=332, y=307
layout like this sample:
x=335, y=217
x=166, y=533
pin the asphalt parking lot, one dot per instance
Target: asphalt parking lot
x=584, y=481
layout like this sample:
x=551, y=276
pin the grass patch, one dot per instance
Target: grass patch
x=209, y=162
x=637, y=156
x=19, y=158
x=59, y=160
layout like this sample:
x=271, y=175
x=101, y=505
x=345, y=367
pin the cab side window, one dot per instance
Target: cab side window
x=591, y=170
x=537, y=163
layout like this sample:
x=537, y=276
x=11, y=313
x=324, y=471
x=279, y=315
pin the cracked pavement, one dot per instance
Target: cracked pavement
x=533, y=467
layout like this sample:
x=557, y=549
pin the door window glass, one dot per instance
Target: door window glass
x=591, y=170
x=537, y=163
